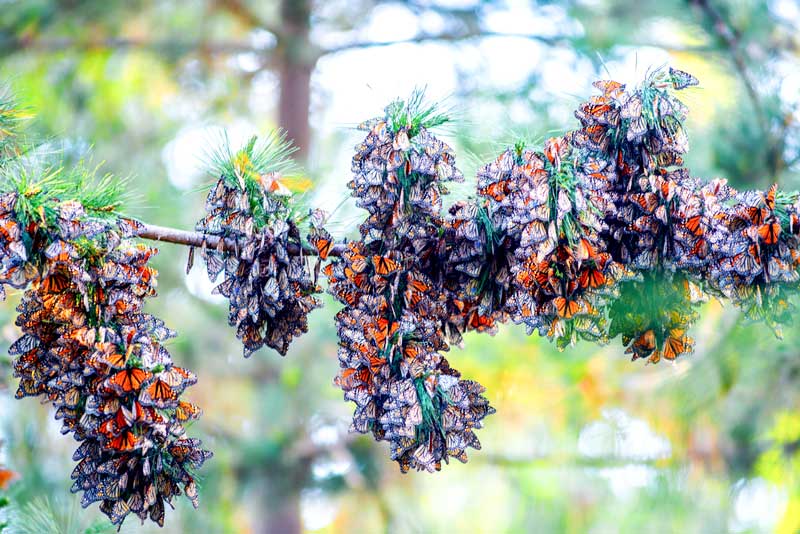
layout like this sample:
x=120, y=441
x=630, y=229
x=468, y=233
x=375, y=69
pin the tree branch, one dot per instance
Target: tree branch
x=57, y=44
x=241, y=11
x=200, y=240
x=447, y=37
x=731, y=38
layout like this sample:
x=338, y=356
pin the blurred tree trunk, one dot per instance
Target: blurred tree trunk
x=281, y=477
x=284, y=517
x=297, y=60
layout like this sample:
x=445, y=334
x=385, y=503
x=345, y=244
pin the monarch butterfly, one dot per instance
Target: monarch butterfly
x=695, y=225
x=598, y=109
x=129, y=227
x=128, y=380
x=60, y=251
x=566, y=308
x=497, y=191
x=126, y=441
x=24, y=344
x=648, y=202
x=118, y=511
x=554, y=149
x=480, y=323
x=643, y=345
x=676, y=344
x=631, y=107
x=610, y=88
x=350, y=378
x=9, y=229
x=779, y=269
x=7, y=202
x=385, y=265
x=320, y=237
x=681, y=80
x=585, y=250
x=769, y=233
x=158, y=394
x=637, y=128
x=592, y=278
x=381, y=331
x=186, y=411
x=178, y=377
x=747, y=263
x=358, y=263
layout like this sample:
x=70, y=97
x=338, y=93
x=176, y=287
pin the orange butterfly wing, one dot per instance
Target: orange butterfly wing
x=769, y=233
x=385, y=266
x=129, y=380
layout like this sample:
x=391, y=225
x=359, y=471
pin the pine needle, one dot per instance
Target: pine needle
x=415, y=113
x=271, y=153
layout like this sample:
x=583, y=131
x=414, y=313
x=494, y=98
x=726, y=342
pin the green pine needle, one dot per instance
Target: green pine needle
x=244, y=168
x=415, y=113
x=271, y=153
x=12, y=122
x=41, y=189
x=42, y=515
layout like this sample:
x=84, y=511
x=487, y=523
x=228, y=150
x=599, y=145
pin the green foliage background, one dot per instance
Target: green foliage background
x=583, y=440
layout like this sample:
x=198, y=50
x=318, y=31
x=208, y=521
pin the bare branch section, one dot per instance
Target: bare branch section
x=200, y=240
x=58, y=44
x=444, y=37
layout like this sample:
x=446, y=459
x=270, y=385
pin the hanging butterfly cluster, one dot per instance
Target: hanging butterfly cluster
x=88, y=349
x=600, y=234
x=270, y=290
x=476, y=272
x=15, y=271
x=757, y=245
x=392, y=328
x=561, y=276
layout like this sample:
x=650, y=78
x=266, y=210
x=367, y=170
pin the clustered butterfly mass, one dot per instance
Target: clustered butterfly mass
x=270, y=290
x=88, y=349
x=391, y=331
x=597, y=234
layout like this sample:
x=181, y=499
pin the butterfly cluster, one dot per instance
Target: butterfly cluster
x=15, y=271
x=631, y=143
x=476, y=271
x=392, y=329
x=89, y=349
x=756, y=245
x=600, y=233
x=269, y=289
x=562, y=277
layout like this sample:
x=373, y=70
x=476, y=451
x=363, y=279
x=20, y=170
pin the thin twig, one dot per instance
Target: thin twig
x=199, y=240
x=444, y=37
x=730, y=37
x=58, y=44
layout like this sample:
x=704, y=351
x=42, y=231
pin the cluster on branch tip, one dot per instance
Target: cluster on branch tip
x=271, y=291
x=391, y=329
x=90, y=350
x=597, y=234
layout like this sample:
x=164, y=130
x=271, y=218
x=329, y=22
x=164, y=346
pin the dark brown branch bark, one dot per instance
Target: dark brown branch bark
x=199, y=240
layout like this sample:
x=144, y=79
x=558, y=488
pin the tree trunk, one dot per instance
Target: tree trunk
x=297, y=60
x=283, y=518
